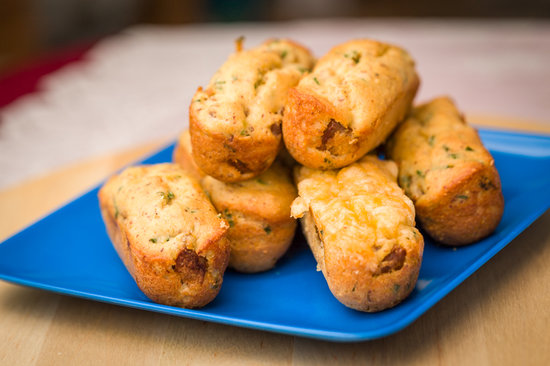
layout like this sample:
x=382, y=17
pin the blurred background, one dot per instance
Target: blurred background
x=29, y=28
x=86, y=78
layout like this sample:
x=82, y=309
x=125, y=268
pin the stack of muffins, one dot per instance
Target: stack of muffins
x=277, y=136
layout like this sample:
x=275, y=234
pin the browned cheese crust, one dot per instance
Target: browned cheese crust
x=445, y=169
x=167, y=233
x=257, y=210
x=235, y=122
x=360, y=227
x=356, y=95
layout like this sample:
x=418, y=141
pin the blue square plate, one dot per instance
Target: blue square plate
x=69, y=252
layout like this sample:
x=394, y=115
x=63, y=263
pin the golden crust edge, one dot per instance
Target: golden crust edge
x=298, y=133
x=267, y=248
x=452, y=222
x=372, y=294
x=160, y=290
x=219, y=156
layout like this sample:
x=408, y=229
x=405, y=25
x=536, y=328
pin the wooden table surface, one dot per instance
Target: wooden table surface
x=500, y=315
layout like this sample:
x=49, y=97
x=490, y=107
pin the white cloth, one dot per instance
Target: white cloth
x=136, y=87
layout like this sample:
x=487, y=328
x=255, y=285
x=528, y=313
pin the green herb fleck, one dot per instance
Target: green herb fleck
x=446, y=148
x=267, y=230
x=468, y=148
x=283, y=55
x=244, y=133
x=449, y=166
x=167, y=196
x=234, y=77
x=327, y=161
x=396, y=288
x=453, y=156
x=116, y=209
x=354, y=286
x=229, y=217
x=354, y=56
x=153, y=240
x=198, y=100
x=431, y=140
x=486, y=184
x=420, y=174
x=321, y=232
x=406, y=181
x=462, y=197
x=303, y=69
x=257, y=83
x=316, y=81
x=263, y=182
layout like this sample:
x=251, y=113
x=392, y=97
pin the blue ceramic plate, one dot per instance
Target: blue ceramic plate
x=69, y=252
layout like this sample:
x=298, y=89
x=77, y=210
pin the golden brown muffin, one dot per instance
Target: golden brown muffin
x=183, y=156
x=235, y=122
x=360, y=227
x=445, y=169
x=258, y=211
x=353, y=99
x=165, y=230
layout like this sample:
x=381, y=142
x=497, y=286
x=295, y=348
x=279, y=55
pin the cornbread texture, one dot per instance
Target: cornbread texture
x=361, y=229
x=257, y=210
x=167, y=233
x=356, y=95
x=445, y=169
x=235, y=122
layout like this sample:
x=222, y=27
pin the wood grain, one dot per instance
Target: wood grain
x=497, y=316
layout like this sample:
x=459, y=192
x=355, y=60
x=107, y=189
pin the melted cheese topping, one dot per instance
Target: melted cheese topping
x=359, y=208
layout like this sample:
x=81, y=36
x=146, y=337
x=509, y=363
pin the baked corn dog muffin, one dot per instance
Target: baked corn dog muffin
x=167, y=233
x=445, y=169
x=235, y=122
x=350, y=103
x=257, y=210
x=360, y=227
